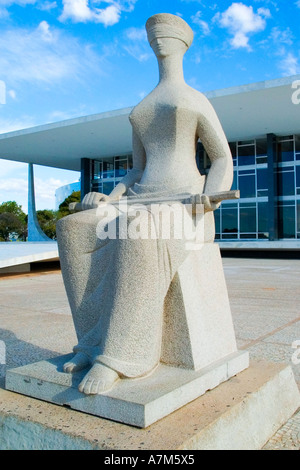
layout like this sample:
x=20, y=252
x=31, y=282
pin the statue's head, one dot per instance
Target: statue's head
x=167, y=26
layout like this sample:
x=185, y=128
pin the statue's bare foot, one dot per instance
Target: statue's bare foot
x=99, y=379
x=78, y=362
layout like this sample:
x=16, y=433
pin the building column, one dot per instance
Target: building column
x=35, y=233
x=86, y=176
x=272, y=187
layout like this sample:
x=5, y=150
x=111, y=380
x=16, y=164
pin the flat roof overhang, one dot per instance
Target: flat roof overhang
x=246, y=112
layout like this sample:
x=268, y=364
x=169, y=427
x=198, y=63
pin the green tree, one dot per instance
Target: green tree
x=13, y=221
x=11, y=224
x=47, y=219
x=13, y=208
x=64, y=206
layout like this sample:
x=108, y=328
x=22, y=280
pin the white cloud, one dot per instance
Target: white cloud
x=80, y=11
x=290, y=65
x=12, y=94
x=44, y=55
x=8, y=167
x=241, y=21
x=47, y=6
x=135, y=44
x=13, y=185
x=196, y=19
x=136, y=34
x=282, y=37
x=10, y=125
x=44, y=30
x=45, y=189
x=17, y=2
x=137, y=52
x=264, y=12
x=16, y=189
x=5, y=4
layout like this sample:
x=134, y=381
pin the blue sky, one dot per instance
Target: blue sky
x=68, y=58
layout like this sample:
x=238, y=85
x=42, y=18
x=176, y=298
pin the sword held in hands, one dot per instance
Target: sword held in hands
x=184, y=198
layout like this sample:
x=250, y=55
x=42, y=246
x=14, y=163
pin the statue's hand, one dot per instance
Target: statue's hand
x=204, y=199
x=93, y=200
x=208, y=204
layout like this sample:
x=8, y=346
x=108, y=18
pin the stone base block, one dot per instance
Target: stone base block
x=138, y=402
x=242, y=413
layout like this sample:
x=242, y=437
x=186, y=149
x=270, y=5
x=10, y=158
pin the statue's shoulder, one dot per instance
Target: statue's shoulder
x=201, y=103
x=198, y=98
x=140, y=109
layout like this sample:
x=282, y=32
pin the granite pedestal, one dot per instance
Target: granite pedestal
x=138, y=402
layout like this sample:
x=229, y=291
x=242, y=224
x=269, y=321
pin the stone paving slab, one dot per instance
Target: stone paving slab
x=35, y=320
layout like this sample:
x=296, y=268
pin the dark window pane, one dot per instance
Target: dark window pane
x=263, y=236
x=247, y=219
x=246, y=155
x=261, y=147
x=287, y=222
x=286, y=183
x=121, y=167
x=298, y=176
x=260, y=160
x=108, y=170
x=286, y=151
x=217, y=214
x=262, y=178
x=200, y=158
x=262, y=208
x=246, y=142
x=247, y=235
x=96, y=169
x=247, y=172
x=298, y=216
x=230, y=220
x=232, y=146
x=108, y=187
x=235, y=181
x=97, y=186
x=297, y=140
x=226, y=204
x=262, y=193
x=247, y=186
x=248, y=204
x=230, y=236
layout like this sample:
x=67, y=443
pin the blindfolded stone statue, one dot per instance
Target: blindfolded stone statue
x=128, y=296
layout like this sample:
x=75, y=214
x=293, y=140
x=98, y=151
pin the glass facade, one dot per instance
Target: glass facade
x=106, y=173
x=247, y=218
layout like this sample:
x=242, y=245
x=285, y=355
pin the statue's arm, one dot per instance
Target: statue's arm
x=212, y=136
x=135, y=174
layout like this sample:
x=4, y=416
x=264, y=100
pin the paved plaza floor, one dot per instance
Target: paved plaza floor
x=36, y=323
